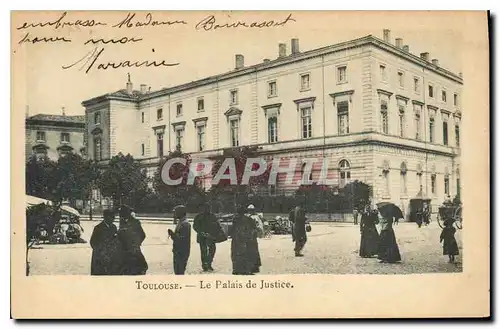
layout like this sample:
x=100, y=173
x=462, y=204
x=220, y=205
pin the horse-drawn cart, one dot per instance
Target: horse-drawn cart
x=450, y=212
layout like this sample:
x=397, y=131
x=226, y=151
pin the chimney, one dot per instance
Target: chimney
x=295, y=46
x=63, y=111
x=266, y=60
x=282, y=50
x=399, y=42
x=424, y=56
x=239, y=62
x=406, y=48
x=143, y=88
x=435, y=62
x=130, y=88
x=387, y=35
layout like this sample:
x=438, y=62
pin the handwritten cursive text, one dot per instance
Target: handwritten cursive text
x=90, y=62
x=147, y=21
x=29, y=39
x=209, y=23
x=60, y=23
x=123, y=40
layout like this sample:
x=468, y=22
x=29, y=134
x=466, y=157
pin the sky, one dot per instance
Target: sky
x=40, y=82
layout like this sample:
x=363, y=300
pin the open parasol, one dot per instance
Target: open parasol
x=390, y=210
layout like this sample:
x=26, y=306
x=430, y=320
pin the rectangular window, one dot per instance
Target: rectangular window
x=305, y=81
x=234, y=132
x=416, y=85
x=445, y=133
x=458, y=186
x=179, y=137
x=383, y=73
x=443, y=95
x=446, y=185
x=159, y=145
x=455, y=99
x=433, y=184
x=306, y=122
x=143, y=150
x=343, y=117
x=179, y=109
x=385, y=117
x=431, y=91
x=431, y=130
x=97, y=118
x=401, y=123
x=457, y=135
x=342, y=74
x=201, y=104
x=64, y=137
x=401, y=79
x=40, y=136
x=200, y=130
x=417, y=127
x=233, y=97
x=97, y=149
x=159, y=114
x=272, y=91
x=142, y=117
x=272, y=128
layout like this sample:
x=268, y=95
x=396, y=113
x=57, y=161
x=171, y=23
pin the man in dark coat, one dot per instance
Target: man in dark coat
x=182, y=240
x=242, y=243
x=298, y=218
x=106, y=248
x=131, y=236
x=209, y=233
x=253, y=246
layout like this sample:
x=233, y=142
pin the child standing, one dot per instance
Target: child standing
x=450, y=246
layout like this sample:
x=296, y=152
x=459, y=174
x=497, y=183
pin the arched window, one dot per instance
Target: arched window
x=403, y=183
x=344, y=173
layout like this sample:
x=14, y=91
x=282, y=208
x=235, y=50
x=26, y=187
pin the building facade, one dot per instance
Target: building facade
x=54, y=135
x=374, y=110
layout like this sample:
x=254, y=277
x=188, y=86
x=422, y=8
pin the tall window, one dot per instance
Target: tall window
x=431, y=91
x=404, y=188
x=443, y=95
x=142, y=117
x=179, y=109
x=272, y=90
x=457, y=135
x=433, y=183
x=179, y=138
x=234, y=132
x=431, y=130
x=306, y=122
x=417, y=126
x=416, y=85
x=233, y=97
x=159, y=114
x=40, y=136
x=97, y=149
x=455, y=99
x=401, y=79
x=383, y=73
x=344, y=173
x=64, y=137
x=445, y=133
x=142, y=149
x=302, y=172
x=343, y=117
x=97, y=118
x=305, y=80
x=200, y=130
x=342, y=74
x=446, y=185
x=159, y=144
x=201, y=104
x=385, y=117
x=401, y=121
x=419, y=178
x=272, y=129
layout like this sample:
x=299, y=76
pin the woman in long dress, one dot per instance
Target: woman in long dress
x=388, y=250
x=131, y=236
x=369, y=234
x=242, y=245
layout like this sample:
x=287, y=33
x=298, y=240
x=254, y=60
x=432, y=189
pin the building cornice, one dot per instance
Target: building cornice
x=403, y=98
x=35, y=123
x=202, y=119
x=384, y=92
x=178, y=124
x=415, y=102
x=271, y=106
x=432, y=107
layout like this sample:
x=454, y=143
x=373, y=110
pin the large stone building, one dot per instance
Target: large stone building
x=53, y=135
x=377, y=112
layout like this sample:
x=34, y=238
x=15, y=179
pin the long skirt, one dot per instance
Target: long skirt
x=450, y=247
x=388, y=250
x=369, y=242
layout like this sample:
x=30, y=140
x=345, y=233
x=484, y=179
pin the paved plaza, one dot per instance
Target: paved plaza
x=331, y=248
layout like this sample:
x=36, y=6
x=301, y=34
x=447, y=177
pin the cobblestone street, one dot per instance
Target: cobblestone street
x=331, y=248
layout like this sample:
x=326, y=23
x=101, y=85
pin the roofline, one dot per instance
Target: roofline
x=369, y=39
x=37, y=122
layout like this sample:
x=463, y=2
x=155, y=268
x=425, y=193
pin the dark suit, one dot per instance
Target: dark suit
x=298, y=218
x=181, y=246
x=205, y=224
x=132, y=235
x=106, y=250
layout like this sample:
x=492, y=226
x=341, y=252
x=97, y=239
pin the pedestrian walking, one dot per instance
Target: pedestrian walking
x=131, y=236
x=369, y=234
x=298, y=218
x=106, y=247
x=355, y=216
x=388, y=250
x=258, y=231
x=181, y=238
x=450, y=246
x=242, y=245
x=209, y=232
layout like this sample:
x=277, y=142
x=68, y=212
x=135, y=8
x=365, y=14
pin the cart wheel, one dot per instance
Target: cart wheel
x=440, y=220
x=457, y=216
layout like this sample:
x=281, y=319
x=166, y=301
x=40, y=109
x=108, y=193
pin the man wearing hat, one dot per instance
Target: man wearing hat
x=209, y=233
x=131, y=236
x=106, y=248
x=253, y=251
x=181, y=238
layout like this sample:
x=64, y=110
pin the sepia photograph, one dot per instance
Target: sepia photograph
x=245, y=150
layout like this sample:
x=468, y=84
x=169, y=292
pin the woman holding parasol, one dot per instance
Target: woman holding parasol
x=388, y=250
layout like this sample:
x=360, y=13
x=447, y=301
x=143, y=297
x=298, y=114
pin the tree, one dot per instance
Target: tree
x=357, y=194
x=36, y=219
x=39, y=177
x=123, y=180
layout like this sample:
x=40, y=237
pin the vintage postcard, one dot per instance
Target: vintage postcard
x=250, y=164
